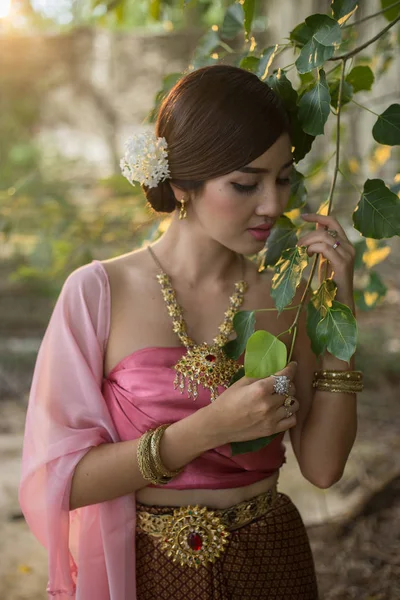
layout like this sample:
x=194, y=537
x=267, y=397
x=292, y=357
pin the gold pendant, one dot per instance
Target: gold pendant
x=207, y=366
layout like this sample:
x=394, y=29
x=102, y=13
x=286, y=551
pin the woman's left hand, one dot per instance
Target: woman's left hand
x=340, y=259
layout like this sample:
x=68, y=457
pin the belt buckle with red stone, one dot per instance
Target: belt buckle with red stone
x=194, y=536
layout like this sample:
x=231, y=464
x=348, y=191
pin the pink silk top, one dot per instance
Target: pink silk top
x=72, y=408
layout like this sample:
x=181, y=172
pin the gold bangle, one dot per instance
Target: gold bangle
x=145, y=461
x=338, y=386
x=155, y=453
x=339, y=375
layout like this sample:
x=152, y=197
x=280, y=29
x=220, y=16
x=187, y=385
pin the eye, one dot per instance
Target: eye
x=245, y=189
x=283, y=181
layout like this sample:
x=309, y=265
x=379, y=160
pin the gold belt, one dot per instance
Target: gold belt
x=195, y=535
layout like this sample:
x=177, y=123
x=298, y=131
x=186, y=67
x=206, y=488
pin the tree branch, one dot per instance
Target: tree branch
x=380, y=12
x=371, y=41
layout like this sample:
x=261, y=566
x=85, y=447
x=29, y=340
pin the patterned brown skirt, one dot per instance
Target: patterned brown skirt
x=269, y=558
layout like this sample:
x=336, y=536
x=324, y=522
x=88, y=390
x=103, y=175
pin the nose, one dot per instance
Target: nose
x=271, y=203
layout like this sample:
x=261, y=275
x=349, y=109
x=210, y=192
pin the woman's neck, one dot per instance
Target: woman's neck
x=191, y=256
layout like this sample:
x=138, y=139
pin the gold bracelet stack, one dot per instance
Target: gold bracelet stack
x=149, y=459
x=349, y=382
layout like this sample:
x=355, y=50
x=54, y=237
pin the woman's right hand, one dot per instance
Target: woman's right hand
x=251, y=409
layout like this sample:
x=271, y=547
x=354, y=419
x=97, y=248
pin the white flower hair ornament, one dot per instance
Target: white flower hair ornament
x=145, y=160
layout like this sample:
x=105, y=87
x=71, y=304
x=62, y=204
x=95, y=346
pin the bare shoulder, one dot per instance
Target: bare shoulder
x=125, y=266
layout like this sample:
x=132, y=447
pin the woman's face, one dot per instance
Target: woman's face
x=238, y=209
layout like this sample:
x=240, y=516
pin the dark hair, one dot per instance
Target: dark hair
x=215, y=120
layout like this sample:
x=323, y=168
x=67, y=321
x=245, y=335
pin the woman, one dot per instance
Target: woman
x=127, y=447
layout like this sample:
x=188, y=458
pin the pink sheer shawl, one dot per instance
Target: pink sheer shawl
x=66, y=416
x=71, y=409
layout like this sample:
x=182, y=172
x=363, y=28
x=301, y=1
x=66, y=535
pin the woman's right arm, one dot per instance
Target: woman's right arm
x=111, y=470
x=245, y=411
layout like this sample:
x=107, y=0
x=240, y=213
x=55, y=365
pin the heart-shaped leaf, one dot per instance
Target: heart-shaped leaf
x=288, y=273
x=387, y=128
x=265, y=355
x=301, y=140
x=325, y=30
x=393, y=13
x=338, y=331
x=301, y=34
x=360, y=78
x=283, y=236
x=243, y=323
x=377, y=215
x=318, y=345
x=343, y=9
x=347, y=93
x=248, y=7
x=250, y=63
x=266, y=59
x=322, y=299
x=313, y=55
x=233, y=22
x=298, y=191
x=238, y=375
x=252, y=445
x=314, y=107
x=283, y=87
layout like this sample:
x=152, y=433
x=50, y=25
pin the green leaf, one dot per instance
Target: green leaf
x=360, y=247
x=314, y=107
x=238, y=375
x=298, y=191
x=387, y=128
x=347, y=93
x=233, y=22
x=283, y=236
x=343, y=9
x=248, y=7
x=314, y=317
x=360, y=78
x=313, y=55
x=252, y=445
x=288, y=273
x=377, y=215
x=243, y=323
x=250, y=63
x=372, y=294
x=393, y=13
x=339, y=330
x=266, y=59
x=282, y=86
x=301, y=140
x=325, y=30
x=301, y=34
x=322, y=299
x=265, y=355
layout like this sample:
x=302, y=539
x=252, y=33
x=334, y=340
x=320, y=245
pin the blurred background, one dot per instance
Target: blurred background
x=76, y=78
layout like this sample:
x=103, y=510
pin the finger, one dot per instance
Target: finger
x=330, y=221
x=283, y=412
x=286, y=423
x=336, y=256
x=321, y=235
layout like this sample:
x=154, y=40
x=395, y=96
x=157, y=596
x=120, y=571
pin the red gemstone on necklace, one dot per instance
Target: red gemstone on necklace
x=211, y=358
x=194, y=541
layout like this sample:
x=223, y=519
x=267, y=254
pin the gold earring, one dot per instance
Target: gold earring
x=182, y=212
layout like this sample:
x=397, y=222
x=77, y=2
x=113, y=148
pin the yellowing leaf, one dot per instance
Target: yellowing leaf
x=397, y=178
x=354, y=165
x=370, y=298
x=376, y=256
x=293, y=214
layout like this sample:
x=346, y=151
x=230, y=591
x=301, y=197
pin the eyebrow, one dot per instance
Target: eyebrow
x=259, y=170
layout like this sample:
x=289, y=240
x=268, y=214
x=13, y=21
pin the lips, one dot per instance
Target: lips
x=261, y=233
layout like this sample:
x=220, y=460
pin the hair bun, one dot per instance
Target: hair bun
x=161, y=198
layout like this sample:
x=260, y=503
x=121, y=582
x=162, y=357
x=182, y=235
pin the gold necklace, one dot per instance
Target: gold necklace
x=203, y=364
